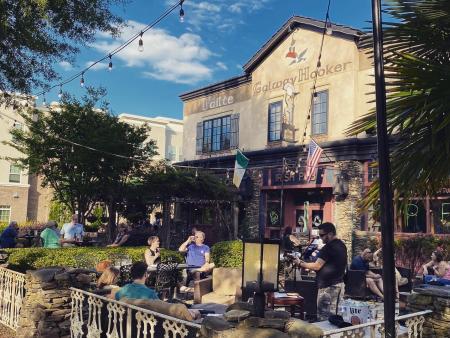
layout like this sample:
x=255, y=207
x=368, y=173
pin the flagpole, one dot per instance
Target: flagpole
x=282, y=196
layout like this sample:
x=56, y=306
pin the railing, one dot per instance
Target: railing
x=411, y=328
x=97, y=316
x=12, y=292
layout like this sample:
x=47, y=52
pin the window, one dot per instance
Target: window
x=5, y=213
x=18, y=126
x=14, y=173
x=440, y=215
x=172, y=156
x=372, y=172
x=275, y=112
x=320, y=113
x=217, y=134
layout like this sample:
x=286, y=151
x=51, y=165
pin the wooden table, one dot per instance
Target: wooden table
x=294, y=302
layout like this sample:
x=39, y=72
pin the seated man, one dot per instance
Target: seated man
x=373, y=281
x=137, y=289
x=9, y=235
x=198, y=254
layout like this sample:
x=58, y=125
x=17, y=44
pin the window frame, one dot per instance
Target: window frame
x=5, y=208
x=274, y=131
x=216, y=133
x=314, y=115
x=11, y=173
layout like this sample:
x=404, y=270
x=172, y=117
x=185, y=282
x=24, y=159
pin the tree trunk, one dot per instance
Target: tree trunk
x=111, y=229
x=165, y=230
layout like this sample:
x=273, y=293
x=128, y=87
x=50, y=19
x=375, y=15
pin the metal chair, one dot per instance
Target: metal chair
x=166, y=278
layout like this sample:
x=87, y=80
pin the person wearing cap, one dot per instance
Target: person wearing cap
x=50, y=235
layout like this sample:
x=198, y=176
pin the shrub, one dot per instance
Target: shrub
x=35, y=258
x=227, y=254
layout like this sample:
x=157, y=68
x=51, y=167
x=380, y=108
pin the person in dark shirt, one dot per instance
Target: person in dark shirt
x=373, y=281
x=9, y=235
x=330, y=269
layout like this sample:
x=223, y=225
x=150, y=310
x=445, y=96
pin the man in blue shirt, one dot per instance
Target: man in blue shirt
x=71, y=232
x=373, y=281
x=137, y=289
x=197, y=254
x=9, y=235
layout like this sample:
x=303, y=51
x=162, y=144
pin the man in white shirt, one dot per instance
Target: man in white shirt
x=71, y=232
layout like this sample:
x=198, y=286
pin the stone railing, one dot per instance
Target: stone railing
x=12, y=291
x=412, y=327
x=95, y=316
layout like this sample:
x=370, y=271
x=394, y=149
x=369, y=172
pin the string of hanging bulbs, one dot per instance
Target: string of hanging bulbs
x=81, y=74
x=327, y=30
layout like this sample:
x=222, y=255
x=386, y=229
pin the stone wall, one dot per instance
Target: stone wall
x=437, y=299
x=47, y=304
x=346, y=214
x=252, y=206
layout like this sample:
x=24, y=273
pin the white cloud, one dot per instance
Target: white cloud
x=221, y=65
x=97, y=66
x=180, y=59
x=65, y=65
x=220, y=15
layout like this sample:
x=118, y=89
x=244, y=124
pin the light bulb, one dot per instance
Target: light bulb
x=82, y=80
x=181, y=15
x=60, y=94
x=328, y=28
x=196, y=173
x=44, y=101
x=319, y=64
x=228, y=175
x=315, y=97
x=110, y=64
x=141, y=44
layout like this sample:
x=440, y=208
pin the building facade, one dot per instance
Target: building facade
x=167, y=132
x=292, y=92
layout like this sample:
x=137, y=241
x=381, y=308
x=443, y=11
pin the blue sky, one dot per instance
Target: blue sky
x=216, y=39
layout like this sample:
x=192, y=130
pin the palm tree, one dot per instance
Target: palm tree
x=417, y=53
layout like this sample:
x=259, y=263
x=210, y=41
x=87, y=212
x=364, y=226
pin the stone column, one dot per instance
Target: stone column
x=47, y=304
x=253, y=206
x=346, y=214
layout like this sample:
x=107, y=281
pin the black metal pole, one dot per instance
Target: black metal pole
x=386, y=203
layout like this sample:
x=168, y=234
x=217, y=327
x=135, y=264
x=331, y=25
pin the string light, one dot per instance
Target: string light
x=141, y=43
x=315, y=97
x=110, y=63
x=120, y=47
x=60, y=94
x=82, y=80
x=181, y=11
x=44, y=102
x=328, y=26
x=72, y=150
x=102, y=160
x=228, y=174
x=196, y=173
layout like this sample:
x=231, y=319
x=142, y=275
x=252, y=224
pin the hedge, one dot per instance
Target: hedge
x=223, y=254
x=22, y=259
x=227, y=254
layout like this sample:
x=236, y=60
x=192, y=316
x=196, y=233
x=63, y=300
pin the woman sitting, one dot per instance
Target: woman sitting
x=437, y=270
x=50, y=236
x=122, y=235
x=152, y=254
x=107, y=281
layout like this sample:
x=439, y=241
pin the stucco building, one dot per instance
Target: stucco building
x=284, y=99
x=167, y=132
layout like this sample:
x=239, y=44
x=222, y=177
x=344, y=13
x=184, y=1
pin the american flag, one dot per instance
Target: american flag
x=314, y=153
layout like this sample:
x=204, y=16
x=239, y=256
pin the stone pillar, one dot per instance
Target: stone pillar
x=47, y=303
x=346, y=213
x=436, y=299
x=253, y=206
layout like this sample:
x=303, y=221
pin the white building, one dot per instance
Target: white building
x=167, y=132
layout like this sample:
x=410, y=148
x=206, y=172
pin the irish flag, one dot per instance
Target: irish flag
x=239, y=168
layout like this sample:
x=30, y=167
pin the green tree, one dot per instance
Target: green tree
x=35, y=34
x=417, y=74
x=79, y=175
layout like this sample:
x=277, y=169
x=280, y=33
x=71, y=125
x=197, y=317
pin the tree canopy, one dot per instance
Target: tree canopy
x=417, y=53
x=36, y=34
x=56, y=145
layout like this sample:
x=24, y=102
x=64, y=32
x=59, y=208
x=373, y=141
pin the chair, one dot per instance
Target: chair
x=166, y=277
x=224, y=287
x=307, y=288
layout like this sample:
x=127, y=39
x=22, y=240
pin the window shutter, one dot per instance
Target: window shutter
x=199, y=139
x=234, y=143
